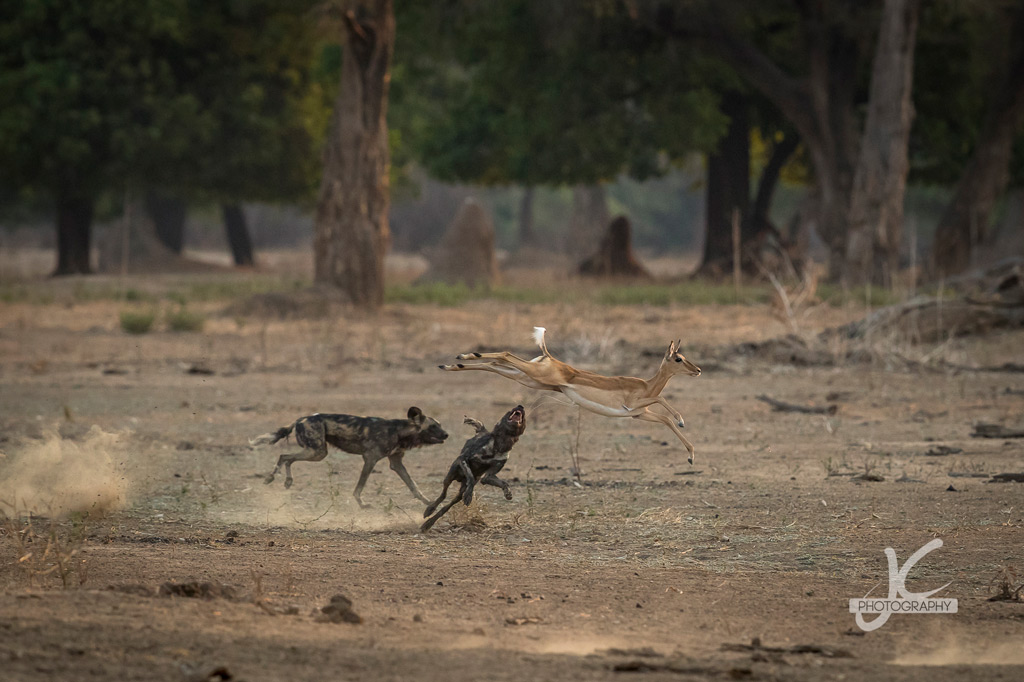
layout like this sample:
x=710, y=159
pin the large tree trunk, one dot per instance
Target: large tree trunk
x=168, y=215
x=74, y=236
x=237, y=232
x=728, y=186
x=351, y=233
x=875, y=232
x=588, y=220
x=965, y=223
x=769, y=181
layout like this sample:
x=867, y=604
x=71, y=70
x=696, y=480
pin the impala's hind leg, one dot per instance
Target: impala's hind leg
x=667, y=421
x=501, y=355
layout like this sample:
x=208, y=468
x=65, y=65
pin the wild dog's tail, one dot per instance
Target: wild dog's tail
x=538, y=337
x=274, y=436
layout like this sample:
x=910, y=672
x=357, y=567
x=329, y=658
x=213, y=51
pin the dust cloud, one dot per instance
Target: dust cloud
x=57, y=477
x=960, y=653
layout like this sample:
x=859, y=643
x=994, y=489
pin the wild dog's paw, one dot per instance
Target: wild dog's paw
x=508, y=494
x=269, y=479
x=288, y=482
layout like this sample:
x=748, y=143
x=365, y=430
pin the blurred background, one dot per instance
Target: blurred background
x=880, y=140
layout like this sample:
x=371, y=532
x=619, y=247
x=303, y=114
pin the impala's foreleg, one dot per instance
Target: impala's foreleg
x=672, y=411
x=642, y=405
x=649, y=416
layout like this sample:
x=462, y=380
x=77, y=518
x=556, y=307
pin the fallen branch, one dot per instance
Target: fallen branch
x=820, y=649
x=780, y=406
x=1007, y=478
x=996, y=431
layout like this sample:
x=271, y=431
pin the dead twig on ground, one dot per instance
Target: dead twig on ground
x=781, y=406
x=983, y=430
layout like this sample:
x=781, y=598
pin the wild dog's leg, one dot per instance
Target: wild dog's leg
x=312, y=436
x=270, y=477
x=448, y=480
x=370, y=460
x=490, y=479
x=469, y=482
x=444, y=510
x=667, y=421
x=398, y=466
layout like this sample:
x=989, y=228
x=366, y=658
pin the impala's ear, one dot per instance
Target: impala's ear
x=672, y=348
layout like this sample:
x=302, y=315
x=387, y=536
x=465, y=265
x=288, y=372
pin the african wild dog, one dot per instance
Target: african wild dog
x=482, y=457
x=372, y=437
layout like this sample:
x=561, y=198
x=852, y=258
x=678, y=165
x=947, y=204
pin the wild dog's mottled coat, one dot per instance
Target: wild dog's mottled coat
x=482, y=457
x=372, y=437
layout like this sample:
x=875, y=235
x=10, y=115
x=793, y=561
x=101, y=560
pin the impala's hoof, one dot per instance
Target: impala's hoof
x=690, y=460
x=467, y=356
x=681, y=424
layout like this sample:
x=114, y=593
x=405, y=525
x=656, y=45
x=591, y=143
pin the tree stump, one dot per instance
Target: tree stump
x=466, y=252
x=614, y=257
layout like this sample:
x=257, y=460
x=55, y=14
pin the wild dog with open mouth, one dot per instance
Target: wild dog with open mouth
x=482, y=457
x=372, y=437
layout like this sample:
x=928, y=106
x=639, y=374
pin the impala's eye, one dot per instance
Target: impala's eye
x=678, y=359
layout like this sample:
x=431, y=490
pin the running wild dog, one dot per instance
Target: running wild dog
x=372, y=437
x=607, y=396
x=482, y=457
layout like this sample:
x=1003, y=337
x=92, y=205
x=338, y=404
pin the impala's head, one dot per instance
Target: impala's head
x=677, y=363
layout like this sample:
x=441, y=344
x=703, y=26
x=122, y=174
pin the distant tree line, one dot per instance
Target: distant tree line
x=225, y=101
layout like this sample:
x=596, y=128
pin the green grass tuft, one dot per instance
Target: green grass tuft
x=137, y=321
x=185, y=320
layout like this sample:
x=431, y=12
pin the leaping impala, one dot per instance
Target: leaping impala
x=607, y=396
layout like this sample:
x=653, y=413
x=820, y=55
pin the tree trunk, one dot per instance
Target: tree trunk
x=728, y=186
x=875, y=232
x=769, y=180
x=965, y=223
x=588, y=220
x=351, y=231
x=527, y=233
x=237, y=232
x=168, y=215
x=74, y=236
x=821, y=106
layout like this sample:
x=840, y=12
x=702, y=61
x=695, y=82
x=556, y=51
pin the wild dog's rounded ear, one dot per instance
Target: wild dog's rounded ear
x=415, y=414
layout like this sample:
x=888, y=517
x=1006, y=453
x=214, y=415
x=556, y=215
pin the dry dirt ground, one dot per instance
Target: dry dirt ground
x=645, y=566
